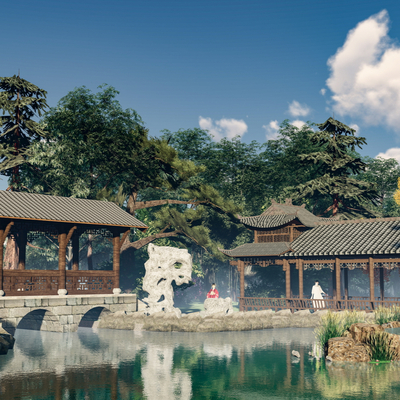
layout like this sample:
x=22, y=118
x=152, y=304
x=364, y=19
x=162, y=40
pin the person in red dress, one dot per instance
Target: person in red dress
x=213, y=293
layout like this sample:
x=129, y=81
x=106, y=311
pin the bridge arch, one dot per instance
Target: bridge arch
x=40, y=319
x=91, y=317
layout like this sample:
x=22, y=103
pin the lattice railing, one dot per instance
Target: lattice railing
x=276, y=304
x=39, y=282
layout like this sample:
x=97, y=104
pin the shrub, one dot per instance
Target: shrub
x=381, y=346
x=335, y=324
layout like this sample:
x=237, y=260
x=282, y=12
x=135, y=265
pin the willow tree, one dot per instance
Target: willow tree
x=20, y=101
x=337, y=164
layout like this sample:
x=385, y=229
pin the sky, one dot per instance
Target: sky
x=231, y=67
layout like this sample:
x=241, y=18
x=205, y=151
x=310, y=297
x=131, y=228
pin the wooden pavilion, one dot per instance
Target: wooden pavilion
x=294, y=238
x=22, y=215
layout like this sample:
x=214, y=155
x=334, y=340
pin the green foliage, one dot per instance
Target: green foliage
x=335, y=324
x=335, y=162
x=382, y=347
x=383, y=315
x=20, y=101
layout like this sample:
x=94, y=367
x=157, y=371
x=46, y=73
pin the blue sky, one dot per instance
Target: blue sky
x=233, y=67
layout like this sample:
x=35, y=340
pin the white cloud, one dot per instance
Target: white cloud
x=228, y=128
x=323, y=91
x=272, y=130
x=365, y=74
x=298, y=110
x=394, y=152
x=356, y=127
x=298, y=123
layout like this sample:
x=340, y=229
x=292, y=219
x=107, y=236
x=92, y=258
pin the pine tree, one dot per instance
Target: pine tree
x=20, y=101
x=337, y=163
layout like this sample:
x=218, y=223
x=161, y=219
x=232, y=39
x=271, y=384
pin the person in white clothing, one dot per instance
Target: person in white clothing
x=317, y=293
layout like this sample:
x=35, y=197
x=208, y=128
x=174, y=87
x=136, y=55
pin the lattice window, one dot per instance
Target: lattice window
x=273, y=238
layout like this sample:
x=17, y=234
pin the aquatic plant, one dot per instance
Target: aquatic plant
x=335, y=324
x=381, y=346
x=384, y=315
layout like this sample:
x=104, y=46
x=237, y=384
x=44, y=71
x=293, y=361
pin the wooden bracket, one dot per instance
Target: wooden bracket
x=124, y=236
x=6, y=232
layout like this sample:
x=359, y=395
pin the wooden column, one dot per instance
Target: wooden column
x=346, y=283
x=75, y=252
x=116, y=259
x=301, y=285
x=22, y=240
x=242, y=279
x=62, y=253
x=3, y=235
x=337, y=271
x=371, y=280
x=286, y=268
x=382, y=283
x=333, y=284
x=63, y=239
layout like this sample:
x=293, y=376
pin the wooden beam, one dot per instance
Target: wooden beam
x=22, y=240
x=382, y=283
x=286, y=268
x=337, y=270
x=62, y=261
x=346, y=283
x=3, y=235
x=116, y=259
x=75, y=252
x=301, y=283
x=371, y=280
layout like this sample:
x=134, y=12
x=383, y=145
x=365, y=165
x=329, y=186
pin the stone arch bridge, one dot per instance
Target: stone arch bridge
x=61, y=313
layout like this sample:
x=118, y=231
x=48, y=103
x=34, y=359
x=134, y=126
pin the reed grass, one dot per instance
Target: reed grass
x=335, y=324
x=381, y=346
x=384, y=315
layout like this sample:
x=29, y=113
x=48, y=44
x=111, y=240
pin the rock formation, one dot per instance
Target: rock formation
x=6, y=341
x=213, y=306
x=165, y=264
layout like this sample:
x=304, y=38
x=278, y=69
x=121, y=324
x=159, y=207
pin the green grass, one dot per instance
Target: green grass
x=384, y=315
x=380, y=347
x=335, y=324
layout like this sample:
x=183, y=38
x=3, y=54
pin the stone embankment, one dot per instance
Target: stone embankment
x=218, y=322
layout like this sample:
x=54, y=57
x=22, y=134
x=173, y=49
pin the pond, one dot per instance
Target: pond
x=112, y=364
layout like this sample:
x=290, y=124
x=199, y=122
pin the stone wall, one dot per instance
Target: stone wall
x=60, y=313
x=194, y=322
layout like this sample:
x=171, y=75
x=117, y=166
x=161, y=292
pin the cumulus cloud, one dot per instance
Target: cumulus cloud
x=394, y=152
x=365, y=74
x=272, y=130
x=224, y=127
x=298, y=123
x=298, y=110
x=356, y=127
x=323, y=91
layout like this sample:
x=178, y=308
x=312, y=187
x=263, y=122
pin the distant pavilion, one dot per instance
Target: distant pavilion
x=293, y=237
x=22, y=215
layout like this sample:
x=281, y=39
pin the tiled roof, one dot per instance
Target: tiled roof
x=280, y=214
x=258, y=249
x=21, y=205
x=353, y=237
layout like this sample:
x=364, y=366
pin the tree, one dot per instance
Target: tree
x=335, y=167
x=94, y=148
x=20, y=101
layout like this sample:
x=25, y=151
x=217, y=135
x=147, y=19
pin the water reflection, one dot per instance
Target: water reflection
x=111, y=364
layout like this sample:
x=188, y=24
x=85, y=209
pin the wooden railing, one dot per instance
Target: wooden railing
x=276, y=304
x=42, y=282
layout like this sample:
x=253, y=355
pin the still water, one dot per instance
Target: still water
x=111, y=364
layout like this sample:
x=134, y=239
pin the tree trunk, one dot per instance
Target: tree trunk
x=11, y=255
x=335, y=205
